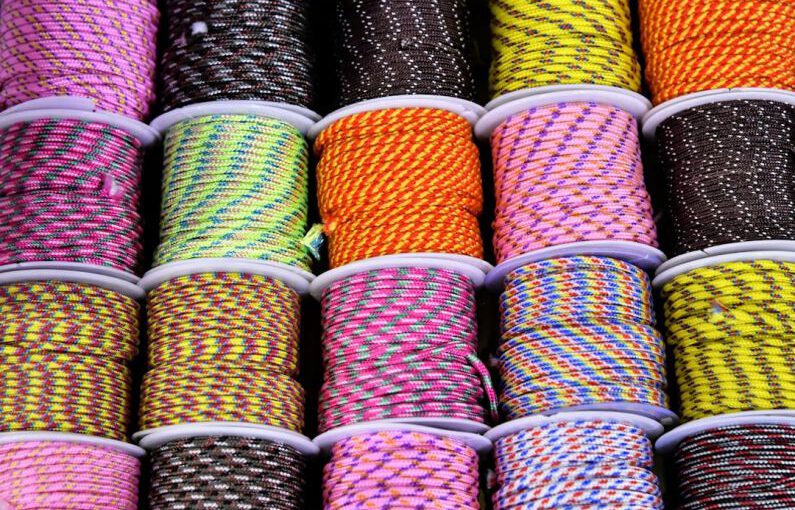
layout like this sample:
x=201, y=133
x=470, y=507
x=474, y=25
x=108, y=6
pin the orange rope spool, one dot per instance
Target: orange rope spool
x=399, y=181
x=698, y=45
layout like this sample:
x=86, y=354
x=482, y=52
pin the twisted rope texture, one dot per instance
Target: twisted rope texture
x=399, y=181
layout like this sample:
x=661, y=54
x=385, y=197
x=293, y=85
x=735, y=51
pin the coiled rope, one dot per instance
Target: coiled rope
x=64, y=355
x=234, y=186
x=234, y=473
x=562, y=42
x=578, y=331
x=59, y=475
x=222, y=347
x=698, y=45
x=730, y=170
x=100, y=49
x=403, y=47
x=730, y=327
x=399, y=181
x=577, y=464
x=237, y=50
x=395, y=469
x=69, y=192
x=737, y=467
x=401, y=343
x=566, y=173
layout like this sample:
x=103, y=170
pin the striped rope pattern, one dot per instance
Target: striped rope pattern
x=55, y=475
x=401, y=470
x=578, y=331
x=104, y=50
x=234, y=186
x=562, y=42
x=565, y=173
x=222, y=347
x=698, y=45
x=401, y=343
x=399, y=181
x=577, y=464
x=64, y=355
x=730, y=326
x=69, y=192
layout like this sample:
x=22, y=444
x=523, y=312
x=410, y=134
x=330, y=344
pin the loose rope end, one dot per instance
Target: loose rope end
x=314, y=240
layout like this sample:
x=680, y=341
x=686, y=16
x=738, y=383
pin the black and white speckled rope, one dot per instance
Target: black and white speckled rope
x=236, y=50
x=396, y=47
x=730, y=171
x=233, y=473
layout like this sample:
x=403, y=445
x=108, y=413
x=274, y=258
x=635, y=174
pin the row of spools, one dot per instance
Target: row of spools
x=406, y=407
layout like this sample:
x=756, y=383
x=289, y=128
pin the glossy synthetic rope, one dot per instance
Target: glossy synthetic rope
x=577, y=464
x=234, y=186
x=401, y=343
x=730, y=172
x=99, y=49
x=568, y=172
x=399, y=181
x=222, y=347
x=699, y=45
x=578, y=331
x=69, y=193
x=233, y=473
x=237, y=50
x=562, y=42
x=64, y=355
x=401, y=470
x=730, y=326
x=737, y=467
x=58, y=475
x=403, y=47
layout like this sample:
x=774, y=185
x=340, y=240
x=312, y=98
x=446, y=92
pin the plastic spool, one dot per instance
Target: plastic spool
x=670, y=273
x=646, y=257
x=19, y=437
x=93, y=279
x=667, y=443
x=154, y=438
x=327, y=440
x=474, y=269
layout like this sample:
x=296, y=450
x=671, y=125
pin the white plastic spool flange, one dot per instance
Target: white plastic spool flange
x=66, y=437
x=627, y=100
x=105, y=282
x=669, y=274
x=725, y=249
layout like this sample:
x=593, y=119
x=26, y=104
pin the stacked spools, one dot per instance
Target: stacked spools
x=724, y=126
x=581, y=362
x=400, y=194
x=77, y=81
x=221, y=405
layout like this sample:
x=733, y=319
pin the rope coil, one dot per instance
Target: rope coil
x=578, y=331
x=100, y=49
x=399, y=181
x=401, y=343
x=223, y=347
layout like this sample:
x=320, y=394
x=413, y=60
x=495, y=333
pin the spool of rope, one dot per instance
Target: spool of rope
x=64, y=355
x=737, y=467
x=401, y=343
x=399, y=181
x=234, y=186
x=577, y=464
x=234, y=473
x=222, y=347
x=730, y=326
x=395, y=469
x=730, y=170
x=100, y=49
x=578, y=331
x=699, y=45
x=403, y=47
x=562, y=42
x=69, y=192
x=565, y=173
x=59, y=475
x=237, y=50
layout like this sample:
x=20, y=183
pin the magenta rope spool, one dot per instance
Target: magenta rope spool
x=104, y=50
x=69, y=192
